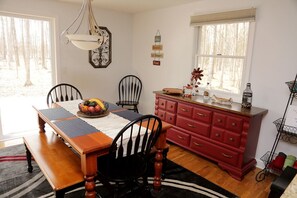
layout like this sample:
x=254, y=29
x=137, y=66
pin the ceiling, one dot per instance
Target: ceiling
x=134, y=6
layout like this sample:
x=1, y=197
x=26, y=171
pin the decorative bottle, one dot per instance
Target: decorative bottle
x=247, y=97
x=206, y=94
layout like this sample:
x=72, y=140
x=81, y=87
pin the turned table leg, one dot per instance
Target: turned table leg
x=90, y=186
x=158, y=169
x=29, y=158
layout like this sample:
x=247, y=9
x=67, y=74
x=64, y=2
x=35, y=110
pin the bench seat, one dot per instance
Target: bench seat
x=59, y=164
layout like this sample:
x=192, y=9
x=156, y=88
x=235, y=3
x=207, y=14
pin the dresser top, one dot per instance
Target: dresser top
x=234, y=108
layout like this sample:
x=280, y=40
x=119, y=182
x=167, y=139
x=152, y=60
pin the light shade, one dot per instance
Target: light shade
x=85, y=41
x=93, y=38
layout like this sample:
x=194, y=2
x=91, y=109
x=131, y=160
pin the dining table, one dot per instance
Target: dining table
x=91, y=137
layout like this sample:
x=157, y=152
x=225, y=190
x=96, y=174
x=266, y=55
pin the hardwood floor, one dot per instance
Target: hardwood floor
x=247, y=188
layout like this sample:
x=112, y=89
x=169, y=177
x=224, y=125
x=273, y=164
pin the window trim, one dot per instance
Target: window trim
x=246, y=67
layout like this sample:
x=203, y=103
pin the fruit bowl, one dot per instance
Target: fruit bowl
x=93, y=107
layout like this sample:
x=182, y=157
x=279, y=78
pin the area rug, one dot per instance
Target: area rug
x=16, y=182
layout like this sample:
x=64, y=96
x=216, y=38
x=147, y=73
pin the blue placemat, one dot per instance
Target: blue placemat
x=56, y=113
x=127, y=114
x=113, y=107
x=75, y=127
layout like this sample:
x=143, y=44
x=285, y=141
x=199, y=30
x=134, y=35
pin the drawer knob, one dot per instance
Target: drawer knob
x=197, y=144
x=190, y=125
x=233, y=124
x=162, y=103
x=171, y=106
x=231, y=139
x=180, y=137
x=184, y=110
x=219, y=120
x=227, y=156
x=217, y=135
x=200, y=114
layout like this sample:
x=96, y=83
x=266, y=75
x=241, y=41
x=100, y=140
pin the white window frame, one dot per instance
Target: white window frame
x=246, y=66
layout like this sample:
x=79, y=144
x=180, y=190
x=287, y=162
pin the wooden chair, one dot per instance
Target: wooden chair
x=129, y=89
x=63, y=92
x=129, y=156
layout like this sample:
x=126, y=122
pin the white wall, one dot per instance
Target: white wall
x=273, y=62
x=72, y=63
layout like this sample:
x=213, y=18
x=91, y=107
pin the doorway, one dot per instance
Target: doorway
x=26, y=72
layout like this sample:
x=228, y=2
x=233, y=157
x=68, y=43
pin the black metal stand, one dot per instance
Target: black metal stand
x=284, y=132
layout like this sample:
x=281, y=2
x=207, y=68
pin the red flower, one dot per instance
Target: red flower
x=197, y=74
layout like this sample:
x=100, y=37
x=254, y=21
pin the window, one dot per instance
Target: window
x=223, y=53
x=27, y=64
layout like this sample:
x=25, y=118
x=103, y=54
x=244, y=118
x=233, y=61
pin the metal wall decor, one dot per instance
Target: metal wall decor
x=101, y=57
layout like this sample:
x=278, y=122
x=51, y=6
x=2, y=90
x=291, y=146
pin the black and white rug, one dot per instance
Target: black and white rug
x=16, y=182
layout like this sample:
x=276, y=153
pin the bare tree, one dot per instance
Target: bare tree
x=14, y=44
x=42, y=47
x=3, y=46
x=26, y=52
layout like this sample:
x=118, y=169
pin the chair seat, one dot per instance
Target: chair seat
x=123, y=169
x=127, y=103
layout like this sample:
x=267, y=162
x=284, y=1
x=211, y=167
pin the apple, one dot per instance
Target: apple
x=91, y=109
x=97, y=108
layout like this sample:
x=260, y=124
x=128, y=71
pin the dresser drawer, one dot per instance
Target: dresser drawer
x=170, y=118
x=199, y=145
x=162, y=103
x=161, y=114
x=226, y=156
x=178, y=137
x=184, y=110
x=218, y=153
x=202, y=115
x=217, y=134
x=219, y=120
x=232, y=139
x=234, y=124
x=194, y=126
x=171, y=106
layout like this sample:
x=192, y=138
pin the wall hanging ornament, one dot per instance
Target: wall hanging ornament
x=101, y=57
x=157, y=50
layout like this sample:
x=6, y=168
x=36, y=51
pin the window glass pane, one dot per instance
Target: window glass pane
x=207, y=40
x=224, y=74
x=231, y=39
x=221, y=54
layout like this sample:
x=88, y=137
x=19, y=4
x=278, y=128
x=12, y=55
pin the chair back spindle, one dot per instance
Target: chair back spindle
x=63, y=92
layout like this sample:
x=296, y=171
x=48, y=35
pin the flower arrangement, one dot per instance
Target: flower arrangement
x=196, y=76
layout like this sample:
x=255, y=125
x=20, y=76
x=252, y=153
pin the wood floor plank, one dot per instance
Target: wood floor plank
x=247, y=188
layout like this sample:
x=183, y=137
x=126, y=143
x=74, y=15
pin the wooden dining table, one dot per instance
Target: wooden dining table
x=89, y=141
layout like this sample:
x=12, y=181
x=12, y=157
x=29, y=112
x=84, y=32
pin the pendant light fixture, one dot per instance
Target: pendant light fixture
x=92, y=37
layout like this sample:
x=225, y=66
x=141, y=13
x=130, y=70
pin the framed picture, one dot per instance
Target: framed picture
x=101, y=57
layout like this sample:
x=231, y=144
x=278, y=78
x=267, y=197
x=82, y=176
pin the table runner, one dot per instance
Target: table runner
x=111, y=124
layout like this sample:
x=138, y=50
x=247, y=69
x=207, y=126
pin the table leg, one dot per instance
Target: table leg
x=90, y=186
x=41, y=123
x=158, y=169
x=89, y=168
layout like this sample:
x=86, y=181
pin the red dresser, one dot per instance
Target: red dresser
x=227, y=135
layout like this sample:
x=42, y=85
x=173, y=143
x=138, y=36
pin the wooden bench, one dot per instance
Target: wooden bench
x=59, y=164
